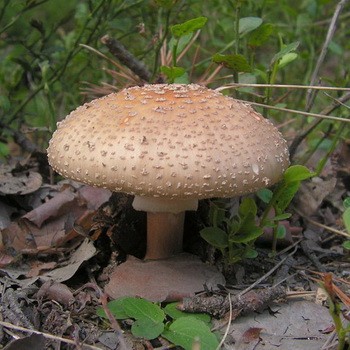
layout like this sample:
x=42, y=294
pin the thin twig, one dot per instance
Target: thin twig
x=46, y=335
x=330, y=229
x=266, y=274
x=331, y=30
x=228, y=324
x=118, y=50
x=294, y=111
x=301, y=136
x=285, y=86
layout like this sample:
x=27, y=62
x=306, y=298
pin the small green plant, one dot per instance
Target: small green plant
x=346, y=220
x=235, y=236
x=151, y=321
x=181, y=36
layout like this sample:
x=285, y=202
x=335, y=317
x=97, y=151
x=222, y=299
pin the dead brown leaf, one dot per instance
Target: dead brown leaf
x=18, y=180
x=56, y=291
x=251, y=334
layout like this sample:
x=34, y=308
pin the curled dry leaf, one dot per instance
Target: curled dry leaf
x=56, y=291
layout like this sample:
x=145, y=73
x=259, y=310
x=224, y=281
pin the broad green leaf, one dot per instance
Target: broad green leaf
x=248, y=230
x=185, y=330
x=215, y=236
x=180, y=43
x=247, y=236
x=346, y=245
x=248, y=24
x=145, y=328
x=247, y=206
x=238, y=63
x=183, y=79
x=250, y=253
x=116, y=307
x=281, y=231
x=216, y=214
x=280, y=217
x=172, y=311
x=346, y=202
x=286, y=59
x=138, y=308
x=261, y=34
x=4, y=149
x=265, y=195
x=172, y=72
x=286, y=195
x=297, y=173
x=179, y=30
x=346, y=219
x=286, y=49
x=5, y=103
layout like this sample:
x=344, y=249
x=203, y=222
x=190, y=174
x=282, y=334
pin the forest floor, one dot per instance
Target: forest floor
x=60, y=242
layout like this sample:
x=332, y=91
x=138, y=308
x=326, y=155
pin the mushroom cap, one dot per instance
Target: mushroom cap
x=169, y=141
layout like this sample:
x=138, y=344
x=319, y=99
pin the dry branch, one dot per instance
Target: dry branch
x=118, y=50
x=218, y=305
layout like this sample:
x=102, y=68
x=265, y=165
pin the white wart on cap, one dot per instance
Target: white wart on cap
x=169, y=142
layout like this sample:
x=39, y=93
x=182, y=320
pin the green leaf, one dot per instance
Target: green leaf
x=179, y=43
x=172, y=311
x=185, y=330
x=285, y=50
x=248, y=24
x=297, y=173
x=260, y=35
x=116, y=307
x=248, y=230
x=5, y=103
x=238, y=62
x=250, y=253
x=148, y=329
x=215, y=236
x=179, y=30
x=286, y=59
x=346, y=202
x=346, y=245
x=216, y=214
x=172, y=72
x=286, y=195
x=138, y=308
x=247, y=206
x=283, y=216
x=265, y=195
x=346, y=219
x=281, y=231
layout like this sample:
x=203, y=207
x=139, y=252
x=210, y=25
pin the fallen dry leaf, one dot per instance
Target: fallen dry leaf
x=56, y=291
x=32, y=342
x=251, y=334
x=15, y=180
x=85, y=251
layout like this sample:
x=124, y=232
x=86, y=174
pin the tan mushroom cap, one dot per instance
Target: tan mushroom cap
x=169, y=141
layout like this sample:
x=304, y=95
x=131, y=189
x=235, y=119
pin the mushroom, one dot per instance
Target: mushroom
x=169, y=146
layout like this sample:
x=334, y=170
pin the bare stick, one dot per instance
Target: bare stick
x=331, y=30
x=46, y=335
x=308, y=114
x=285, y=86
x=118, y=50
x=301, y=136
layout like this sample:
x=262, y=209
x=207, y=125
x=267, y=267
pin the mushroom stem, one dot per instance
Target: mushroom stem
x=164, y=234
